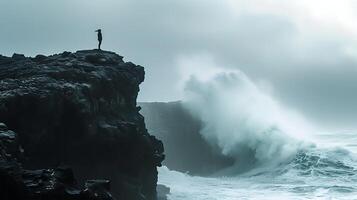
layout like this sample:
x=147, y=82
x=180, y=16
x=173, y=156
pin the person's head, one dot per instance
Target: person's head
x=99, y=30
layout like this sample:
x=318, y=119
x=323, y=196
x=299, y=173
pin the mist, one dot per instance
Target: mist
x=243, y=120
x=305, y=50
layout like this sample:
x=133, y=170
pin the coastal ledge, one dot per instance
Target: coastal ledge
x=79, y=109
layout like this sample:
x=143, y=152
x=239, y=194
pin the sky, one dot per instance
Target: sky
x=303, y=52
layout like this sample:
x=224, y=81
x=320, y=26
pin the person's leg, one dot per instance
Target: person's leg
x=100, y=43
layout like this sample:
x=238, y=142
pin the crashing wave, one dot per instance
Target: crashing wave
x=243, y=121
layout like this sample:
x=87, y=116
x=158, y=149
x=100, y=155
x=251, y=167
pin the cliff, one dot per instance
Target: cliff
x=185, y=148
x=79, y=110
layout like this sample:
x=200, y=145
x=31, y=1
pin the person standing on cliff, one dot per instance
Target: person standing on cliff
x=100, y=37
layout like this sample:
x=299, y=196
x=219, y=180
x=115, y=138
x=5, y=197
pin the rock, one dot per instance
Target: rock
x=79, y=109
x=64, y=174
x=98, y=184
x=98, y=189
x=186, y=149
x=39, y=58
x=5, y=60
x=18, y=56
x=100, y=58
x=3, y=127
x=17, y=183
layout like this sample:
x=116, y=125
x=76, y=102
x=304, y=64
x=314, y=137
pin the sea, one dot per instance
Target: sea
x=327, y=170
x=280, y=154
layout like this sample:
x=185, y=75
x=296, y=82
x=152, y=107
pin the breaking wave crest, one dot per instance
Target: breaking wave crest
x=273, y=146
x=242, y=121
x=313, y=173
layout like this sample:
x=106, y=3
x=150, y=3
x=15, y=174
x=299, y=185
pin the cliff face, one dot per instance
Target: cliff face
x=16, y=183
x=185, y=148
x=79, y=109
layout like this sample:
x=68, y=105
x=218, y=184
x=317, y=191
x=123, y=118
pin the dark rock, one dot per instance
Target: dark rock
x=16, y=56
x=66, y=54
x=98, y=189
x=45, y=184
x=3, y=127
x=79, y=109
x=100, y=57
x=39, y=58
x=64, y=174
x=5, y=60
x=186, y=149
x=98, y=184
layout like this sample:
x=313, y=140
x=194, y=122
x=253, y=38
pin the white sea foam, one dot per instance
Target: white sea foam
x=241, y=119
x=247, y=123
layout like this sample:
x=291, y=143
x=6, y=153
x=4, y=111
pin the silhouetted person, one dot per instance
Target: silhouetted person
x=100, y=37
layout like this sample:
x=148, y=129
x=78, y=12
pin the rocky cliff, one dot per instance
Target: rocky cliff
x=79, y=110
x=185, y=148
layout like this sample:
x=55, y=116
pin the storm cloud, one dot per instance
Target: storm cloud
x=303, y=52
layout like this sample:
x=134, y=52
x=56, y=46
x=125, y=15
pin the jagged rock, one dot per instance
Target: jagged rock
x=18, y=56
x=79, y=109
x=98, y=189
x=17, y=183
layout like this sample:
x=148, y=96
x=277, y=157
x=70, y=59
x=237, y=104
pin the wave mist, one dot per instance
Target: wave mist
x=243, y=121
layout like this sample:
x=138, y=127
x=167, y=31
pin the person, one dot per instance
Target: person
x=100, y=37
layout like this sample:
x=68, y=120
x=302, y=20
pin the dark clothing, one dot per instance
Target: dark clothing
x=100, y=38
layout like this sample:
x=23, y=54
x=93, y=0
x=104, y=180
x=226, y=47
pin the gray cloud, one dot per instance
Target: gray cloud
x=308, y=68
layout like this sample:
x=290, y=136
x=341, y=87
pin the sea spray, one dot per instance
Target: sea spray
x=249, y=124
x=242, y=121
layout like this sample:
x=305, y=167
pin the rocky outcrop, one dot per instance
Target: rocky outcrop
x=60, y=183
x=79, y=110
x=185, y=148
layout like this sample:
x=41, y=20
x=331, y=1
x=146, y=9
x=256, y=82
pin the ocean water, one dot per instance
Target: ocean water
x=325, y=171
x=277, y=151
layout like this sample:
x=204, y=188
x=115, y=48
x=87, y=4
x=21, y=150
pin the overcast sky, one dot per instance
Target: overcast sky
x=304, y=51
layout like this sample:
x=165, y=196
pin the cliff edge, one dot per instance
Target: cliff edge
x=79, y=110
